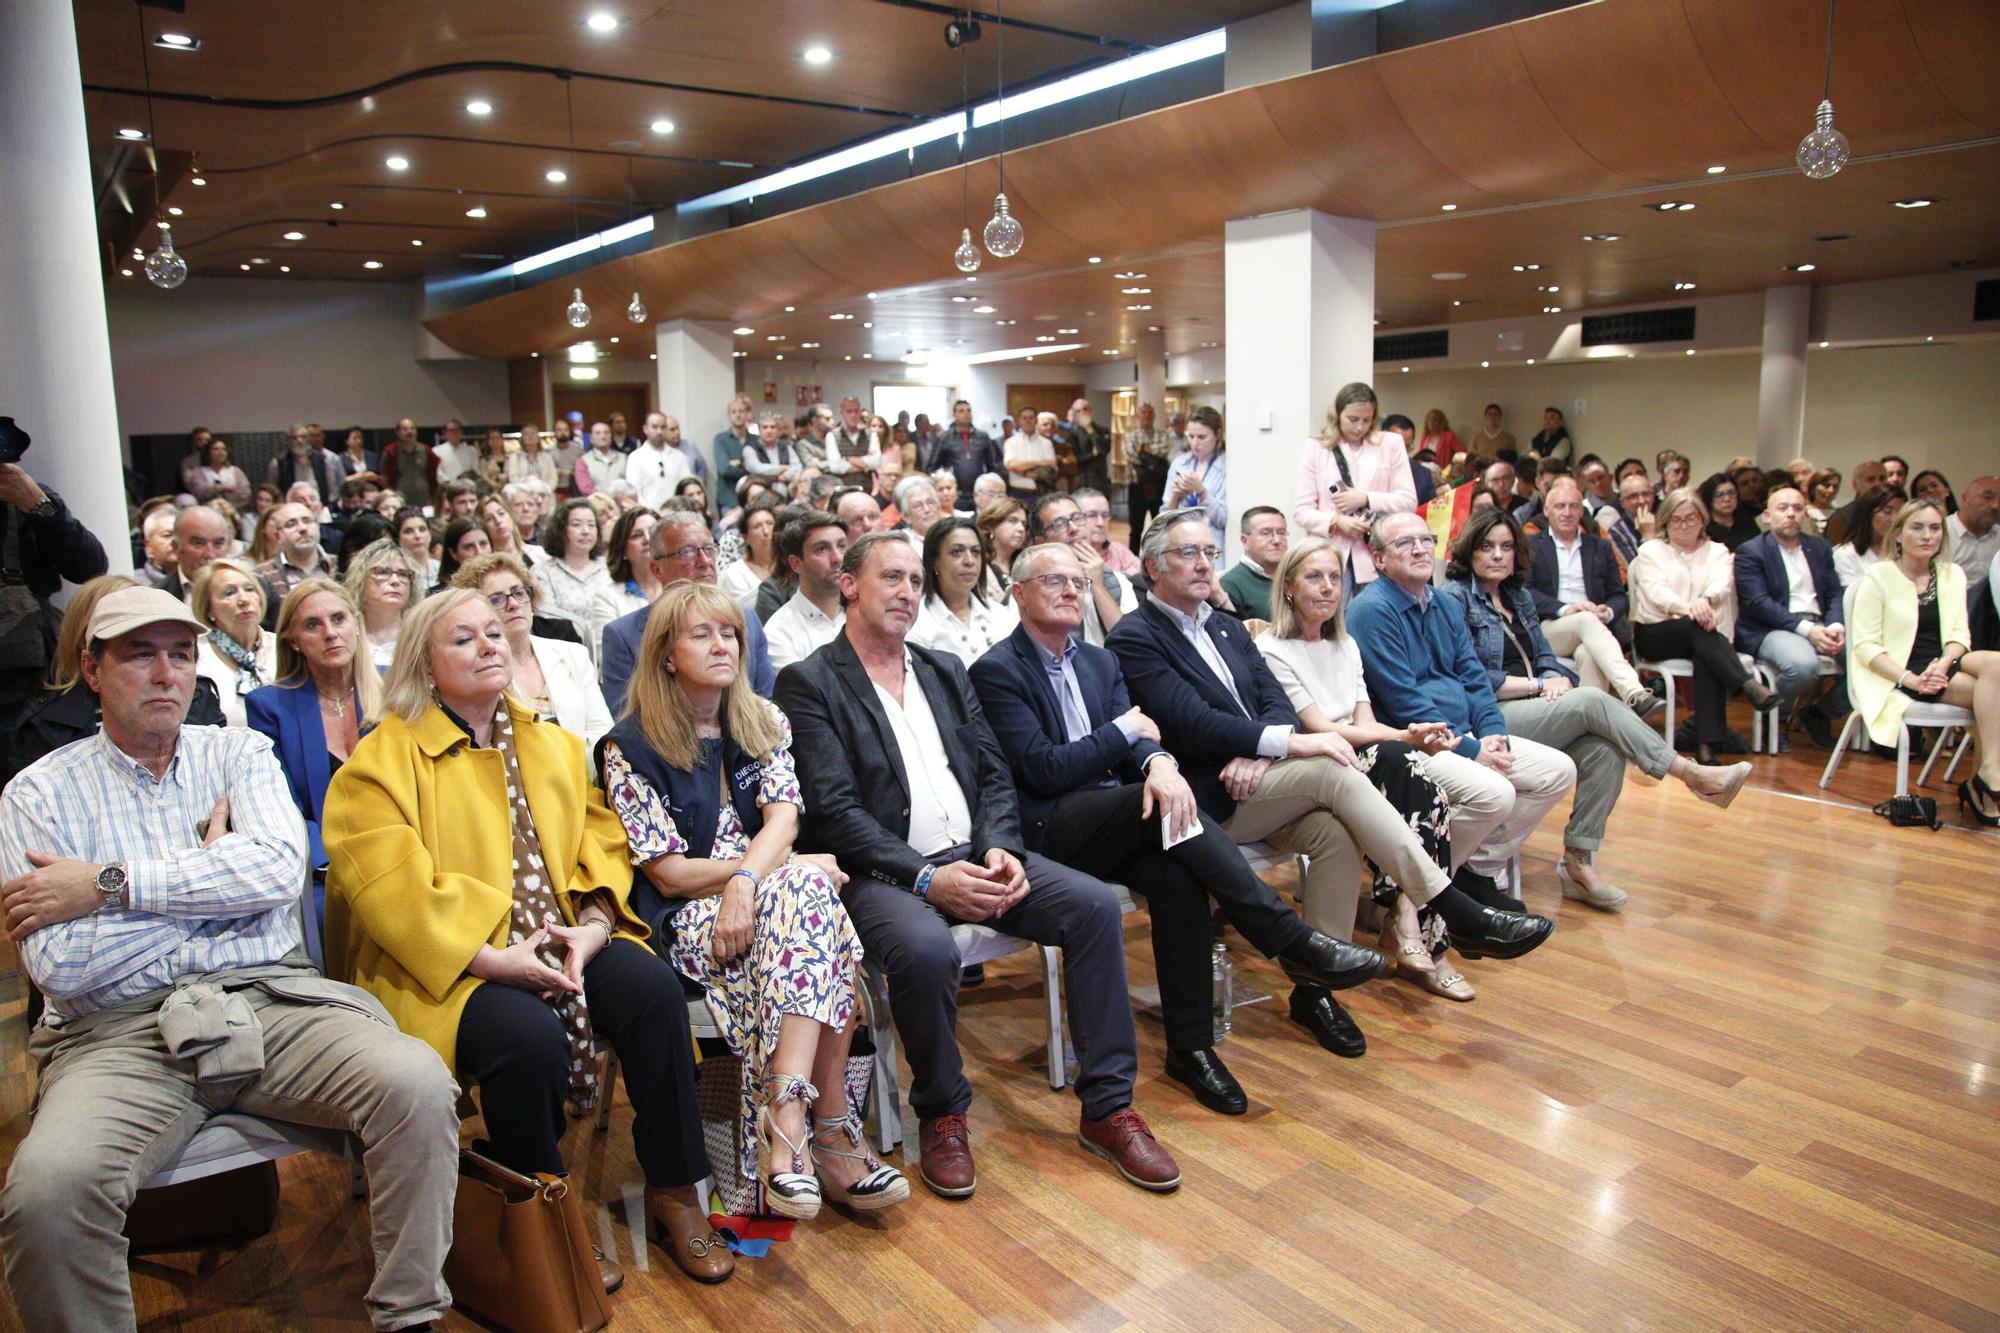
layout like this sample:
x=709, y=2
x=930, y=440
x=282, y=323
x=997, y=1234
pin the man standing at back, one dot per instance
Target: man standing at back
x=408, y=468
x=906, y=785
x=151, y=876
x=967, y=451
x=657, y=466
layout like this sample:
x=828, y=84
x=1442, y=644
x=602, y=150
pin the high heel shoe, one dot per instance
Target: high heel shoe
x=1409, y=954
x=1761, y=696
x=682, y=1230
x=1606, y=896
x=790, y=1187
x=881, y=1187
x=1968, y=801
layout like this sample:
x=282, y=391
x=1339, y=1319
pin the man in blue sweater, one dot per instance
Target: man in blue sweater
x=1417, y=655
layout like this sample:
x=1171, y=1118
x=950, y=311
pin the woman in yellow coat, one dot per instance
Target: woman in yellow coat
x=478, y=889
x=1910, y=641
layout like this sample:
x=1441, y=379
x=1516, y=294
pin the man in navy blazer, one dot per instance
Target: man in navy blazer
x=1788, y=612
x=678, y=532
x=905, y=784
x=1098, y=793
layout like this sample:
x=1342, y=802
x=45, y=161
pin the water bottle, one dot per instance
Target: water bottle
x=1223, y=976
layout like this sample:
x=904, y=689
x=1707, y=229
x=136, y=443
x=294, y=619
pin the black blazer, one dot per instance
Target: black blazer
x=1199, y=723
x=857, y=794
x=1020, y=702
x=1601, y=579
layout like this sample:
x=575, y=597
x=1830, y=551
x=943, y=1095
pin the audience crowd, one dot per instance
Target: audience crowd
x=546, y=737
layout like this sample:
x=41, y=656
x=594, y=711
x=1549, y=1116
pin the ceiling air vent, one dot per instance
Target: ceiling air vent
x=1640, y=326
x=1413, y=346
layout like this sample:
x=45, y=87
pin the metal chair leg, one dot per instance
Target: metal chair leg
x=1852, y=725
x=1052, y=988
x=607, y=1083
x=1943, y=740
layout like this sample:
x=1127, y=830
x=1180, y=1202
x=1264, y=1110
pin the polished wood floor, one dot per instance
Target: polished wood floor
x=1764, y=1095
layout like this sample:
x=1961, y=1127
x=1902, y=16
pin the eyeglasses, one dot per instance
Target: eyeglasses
x=1427, y=542
x=1058, y=582
x=686, y=554
x=1191, y=553
x=514, y=596
x=1684, y=521
x=388, y=574
x=1063, y=524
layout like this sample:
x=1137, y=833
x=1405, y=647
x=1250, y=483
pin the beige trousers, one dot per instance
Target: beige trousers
x=114, y=1108
x=1493, y=813
x=1600, y=662
x=1332, y=814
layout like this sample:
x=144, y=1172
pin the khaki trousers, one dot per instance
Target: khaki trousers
x=1332, y=814
x=1600, y=662
x=1492, y=813
x=114, y=1108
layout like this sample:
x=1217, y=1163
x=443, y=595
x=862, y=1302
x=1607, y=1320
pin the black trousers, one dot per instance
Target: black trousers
x=1149, y=483
x=512, y=1046
x=1098, y=830
x=1718, y=672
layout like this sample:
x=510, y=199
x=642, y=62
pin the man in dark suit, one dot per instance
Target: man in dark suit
x=1226, y=719
x=906, y=785
x=1091, y=443
x=1788, y=612
x=1098, y=793
x=682, y=551
x=1578, y=590
x=965, y=450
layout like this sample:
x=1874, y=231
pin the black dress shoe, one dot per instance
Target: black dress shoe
x=973, y=976
x=1503, y=935
x=1209, y=1079
x=1321, y=960
x=1321, y=1015
x=1485, y=891
x=1704, y=753
x=1819, y=727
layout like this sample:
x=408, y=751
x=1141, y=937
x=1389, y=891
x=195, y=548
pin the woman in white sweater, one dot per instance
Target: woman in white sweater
x=1684, y=605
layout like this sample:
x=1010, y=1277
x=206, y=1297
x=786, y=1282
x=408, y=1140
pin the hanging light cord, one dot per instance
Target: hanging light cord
x=1000, y=86
x=1826, y=88
x=569, y=109
x=964, y=132
x=152, y=135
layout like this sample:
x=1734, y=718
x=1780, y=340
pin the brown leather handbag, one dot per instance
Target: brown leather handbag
x=520, y=1251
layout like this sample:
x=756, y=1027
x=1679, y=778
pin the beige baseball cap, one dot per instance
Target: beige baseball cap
x=128, y=609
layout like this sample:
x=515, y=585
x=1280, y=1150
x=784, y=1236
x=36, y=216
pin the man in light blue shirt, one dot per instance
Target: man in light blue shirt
x=150, y=875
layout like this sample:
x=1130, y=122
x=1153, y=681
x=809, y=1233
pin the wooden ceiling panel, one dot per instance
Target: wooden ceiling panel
x=1961, y=69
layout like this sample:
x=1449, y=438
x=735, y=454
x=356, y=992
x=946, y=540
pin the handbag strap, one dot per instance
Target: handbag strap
x=1340, y=461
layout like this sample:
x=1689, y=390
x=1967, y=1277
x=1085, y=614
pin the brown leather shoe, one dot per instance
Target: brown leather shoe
x=944, y=1147
x=684, y=1232
x=1123, y=1139
x=608, y=1271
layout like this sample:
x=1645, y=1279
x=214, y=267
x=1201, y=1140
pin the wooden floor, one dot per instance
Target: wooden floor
x=1762, y=1096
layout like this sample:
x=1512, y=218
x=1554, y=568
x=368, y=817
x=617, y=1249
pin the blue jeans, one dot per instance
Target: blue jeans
x=1795, y=661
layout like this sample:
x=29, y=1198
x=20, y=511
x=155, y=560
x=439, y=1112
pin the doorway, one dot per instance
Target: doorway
x=598, y=402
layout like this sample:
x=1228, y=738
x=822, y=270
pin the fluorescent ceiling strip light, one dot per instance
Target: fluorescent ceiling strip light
x=900, y=141
x=624, y=231
x=1014, y=353
x=1105, y=76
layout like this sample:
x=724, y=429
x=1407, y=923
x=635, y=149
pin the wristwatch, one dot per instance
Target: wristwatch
x=45, y=509
x=111, y=890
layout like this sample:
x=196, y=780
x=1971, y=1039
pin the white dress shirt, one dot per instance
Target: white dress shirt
x=1972, y=554
x=1022, y=447
x=1571, y=590
x=655, y=472
x=939, y=816
x=576, y=700
x=1275, y=740
x=1805, y=597
x=798, y=630
x=938, y=627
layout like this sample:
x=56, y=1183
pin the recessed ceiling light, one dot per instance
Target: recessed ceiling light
x=961, y=298
x=1823, y=345
x=295, y=236
x=739, y=353
x=868, y=356
x=1111, y=351
x=173, y=212
x=871, y=296
x=1135, y=291
x=478, y=108
x=1065, y=330
x=1045, y=337
x=124, y=272
x=1690, y=351
x=132, y=135
x=371, y=263
x=780, y=356
x=1456, y=304
x=1913, y=203
x=1671, y=206
x=601, y=22
x=982, y=310
x=1800, y=268
x=614, y=337
x=744, y=332
x=198, y=180
x=1138, y=307
x=1448, y=277
x=284, y=268
x=1717, y=171
x=259, y=259
x=583, y=372
x=537, y=355
x=1095, y=259
x=652, y=356
x=1484, y=364
x=774, y=337
x=867, y=323
x=1448, y=208
x=397, y=163
x=177, y=41
x=138, y=253
x=1605, y=236
x=555, y=175
x=336, y=205
x=246, y=269
x=1531, y=361
x=790, y=308
x=418, y=244
x=475, y=212
x=1683, y=286
x=662, y=126
x=1128, y=277
x=815, y=55
x=1552, y=310
x=1930, y=337
x=808, y=344
x=841, y=315
x=972, y=277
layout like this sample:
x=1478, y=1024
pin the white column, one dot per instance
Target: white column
x=1299, y=320
x=1152, y=385
x=697, y=378
x=1781, y=378
x=55, y=348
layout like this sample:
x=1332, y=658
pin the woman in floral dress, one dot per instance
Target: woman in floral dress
x=701, y=774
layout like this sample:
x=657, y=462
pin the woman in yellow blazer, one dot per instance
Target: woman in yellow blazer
x=478, y=889
x=1910, y=641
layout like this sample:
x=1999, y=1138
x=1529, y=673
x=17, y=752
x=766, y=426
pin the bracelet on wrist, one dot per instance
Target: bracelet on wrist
x=923, y=884
x=744, y=874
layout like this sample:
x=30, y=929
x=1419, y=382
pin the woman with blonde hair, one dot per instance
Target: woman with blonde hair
x=236, y=653
x=385, y=582
x=478, y=888
x=1910, y=640
x=1349, y=472
x=700, y=772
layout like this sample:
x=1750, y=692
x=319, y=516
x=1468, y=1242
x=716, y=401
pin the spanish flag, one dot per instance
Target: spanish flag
x=1447, y=512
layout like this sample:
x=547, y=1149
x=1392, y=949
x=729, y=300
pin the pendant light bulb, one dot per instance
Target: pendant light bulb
x=636, y=312
x=165, y=268
x=967, y=255
x=578, y=312
x=1003, y=235
x=1823, y=152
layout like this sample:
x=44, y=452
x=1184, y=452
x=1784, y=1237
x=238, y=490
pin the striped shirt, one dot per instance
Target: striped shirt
x=194, y=910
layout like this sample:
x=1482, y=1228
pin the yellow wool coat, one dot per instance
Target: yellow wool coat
x=421, y=863
x=1884, y=620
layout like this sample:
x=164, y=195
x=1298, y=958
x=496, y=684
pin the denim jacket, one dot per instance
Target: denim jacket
x=1489, y=634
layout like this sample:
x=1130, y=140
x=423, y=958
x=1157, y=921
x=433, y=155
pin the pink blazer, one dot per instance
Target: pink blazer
x=1380, y=467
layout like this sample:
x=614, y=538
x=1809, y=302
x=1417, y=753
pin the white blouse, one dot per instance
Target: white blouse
x=1666, y=582
x=568, y=594
x=1325, y=675
x=741, y=581
x=938, y=628
x=613, y=601
x=1851, y=564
